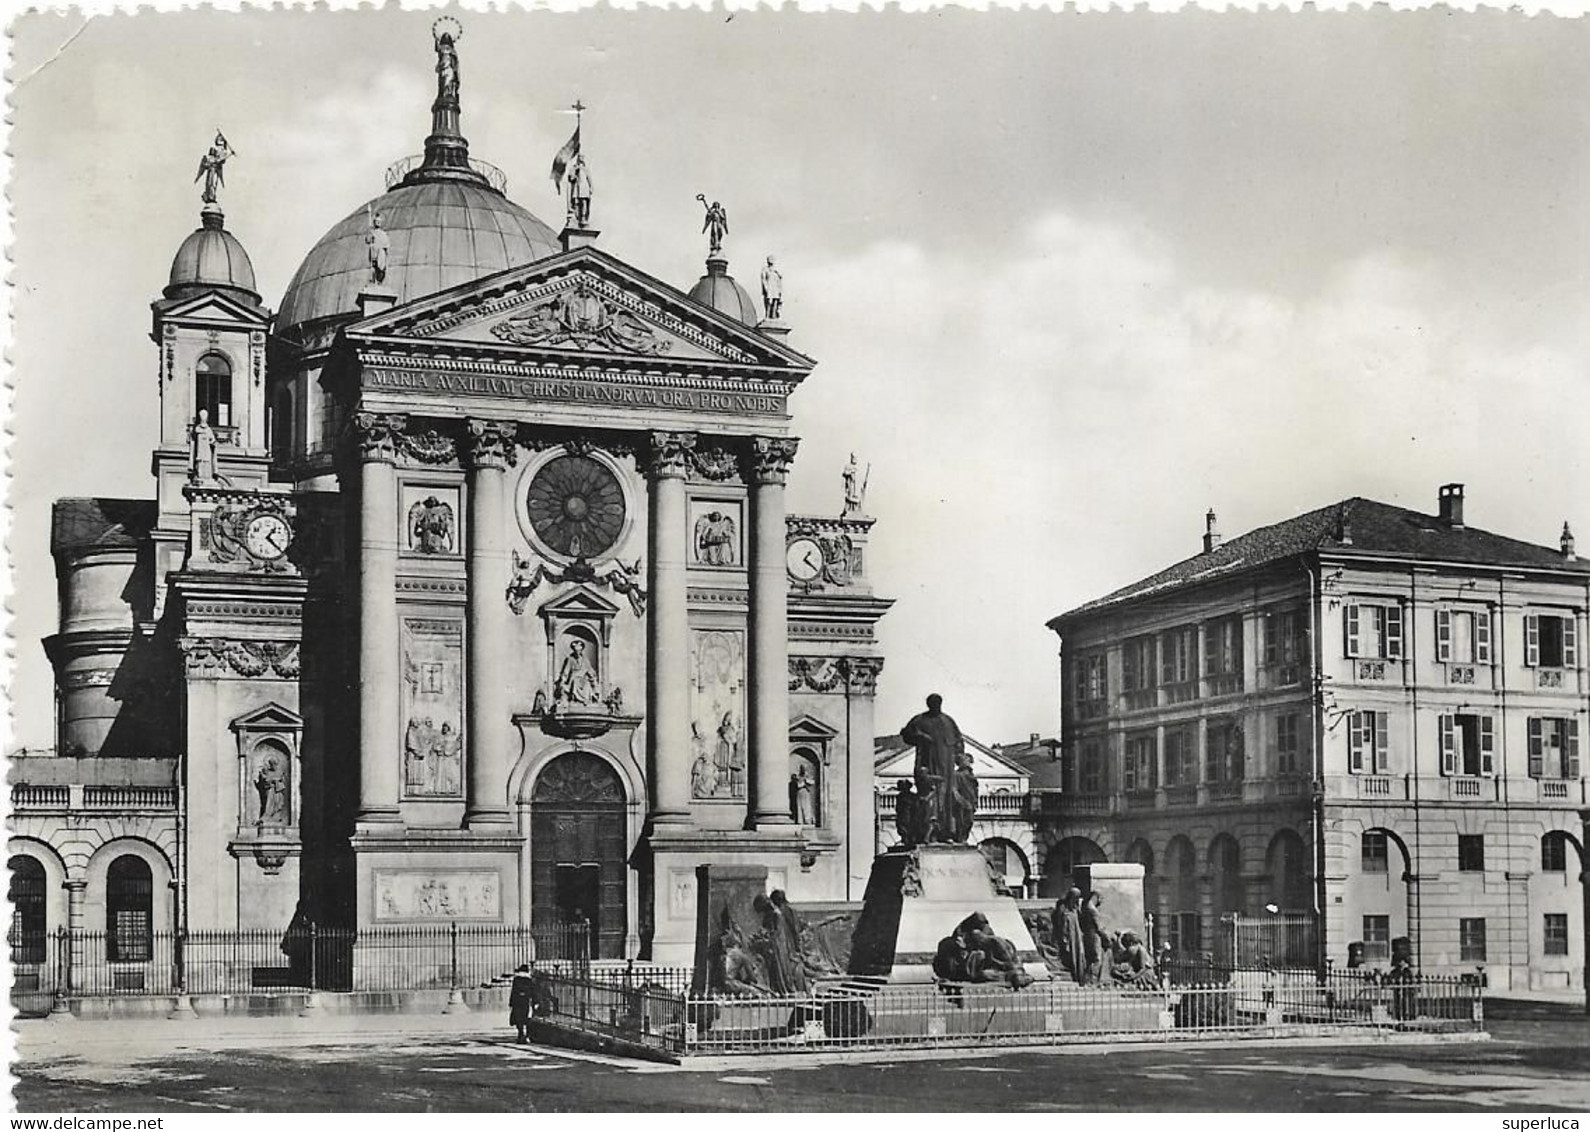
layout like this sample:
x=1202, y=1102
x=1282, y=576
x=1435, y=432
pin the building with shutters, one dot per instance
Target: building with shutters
x=1366, y=714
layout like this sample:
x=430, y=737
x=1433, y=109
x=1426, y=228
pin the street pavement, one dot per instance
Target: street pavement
x=1538, y=1060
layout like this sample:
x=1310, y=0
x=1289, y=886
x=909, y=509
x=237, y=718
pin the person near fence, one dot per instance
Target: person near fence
x=1068, y=934
x=519, y=1003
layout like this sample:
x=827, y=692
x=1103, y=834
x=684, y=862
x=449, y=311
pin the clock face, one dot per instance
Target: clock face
x=576, y=506
x=267, y=536
x=804, y=558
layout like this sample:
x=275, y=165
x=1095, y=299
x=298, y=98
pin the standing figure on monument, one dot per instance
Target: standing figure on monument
x=1094, y=941
x=716, y=225
x=447, y=64
x=1068, y=934
x=212, y=167
x=910, y=818
x=963, y=799
x=579, y=182
x=938, y=742
x=786, y=974
x=772, y=291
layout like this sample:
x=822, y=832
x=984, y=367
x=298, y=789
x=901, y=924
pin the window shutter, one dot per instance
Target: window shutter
x=1532, y=639
x=1393, y=632
x=1443, y=635
x=1355, y=743
x=1570, y=641
x=1448, y=746
x=1572, y=761
x=1537, y=743
x=1272, y=651
x=1167, y=651
x=1487, y=745
x=1482, y=636
x=1382, y=722
x=1352, y=629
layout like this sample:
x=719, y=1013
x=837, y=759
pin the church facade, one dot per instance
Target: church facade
x=468, y=594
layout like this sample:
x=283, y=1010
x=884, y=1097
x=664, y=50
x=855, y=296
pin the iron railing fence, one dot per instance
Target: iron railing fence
x=1284, y=940
x=86, y=964
x=837, y=1016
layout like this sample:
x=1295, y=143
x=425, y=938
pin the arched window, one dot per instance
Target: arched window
x=1554, y=852
x=1287, y=862
x=1141, y=852
x=1225, y=868
x=129, y=910
x=213, y=389
x=1062, y=860
x=1178, y=889
x=1007, y=861
x=28, y=927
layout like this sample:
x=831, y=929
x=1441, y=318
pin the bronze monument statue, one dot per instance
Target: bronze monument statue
x=447, y=32
x=716, y=224
x=212, y=168
x=942, y=766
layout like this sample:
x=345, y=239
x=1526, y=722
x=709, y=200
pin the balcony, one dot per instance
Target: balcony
x=1562, y=791
x=1182, y=795
x=56, y=798
x=1468, y=788
x=1184, y=692
x=1054, y=805
x=1139, y=801
x=1140, y=699
x=1226, y=791
x=1378, y=786
x=1091, y=709
x=1225, y=684
x=1284, y=675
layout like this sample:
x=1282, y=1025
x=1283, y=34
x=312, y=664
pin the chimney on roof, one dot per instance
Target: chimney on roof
x=1033, y=741
x=1211, y=536
x=1567, y=543
x=1451, y=502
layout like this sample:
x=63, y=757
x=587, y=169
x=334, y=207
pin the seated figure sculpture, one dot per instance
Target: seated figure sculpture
x=1132, y=966
x=974, y=954
x=734, y=971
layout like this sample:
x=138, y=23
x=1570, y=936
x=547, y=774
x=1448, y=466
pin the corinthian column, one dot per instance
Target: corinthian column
x=380, y=752
x=489, y=449
x=766, y=470
x=668, y=633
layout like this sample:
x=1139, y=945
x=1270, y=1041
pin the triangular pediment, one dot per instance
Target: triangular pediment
x=210, y=307
x=581, y=303
x=810, y=729
x=581, y=602
x=271, y=717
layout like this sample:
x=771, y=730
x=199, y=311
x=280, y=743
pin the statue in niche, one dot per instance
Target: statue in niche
x=730, y=758
x=431, y=526
x=378, y=243
x=772, y=291
x=802, y=797
x=577, y=684
x=715, y=539
x=271, y=785
x=855, y=486
x=715, y=225
x=212, y=167
x=939, y=752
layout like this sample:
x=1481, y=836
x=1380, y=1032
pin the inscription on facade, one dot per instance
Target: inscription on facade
x=578, y=392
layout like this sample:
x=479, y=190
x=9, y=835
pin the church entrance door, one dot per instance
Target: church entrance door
x=577, y=850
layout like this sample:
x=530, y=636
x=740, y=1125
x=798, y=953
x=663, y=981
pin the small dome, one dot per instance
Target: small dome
x=718, y=290
x=441, y=233
x=211, y=259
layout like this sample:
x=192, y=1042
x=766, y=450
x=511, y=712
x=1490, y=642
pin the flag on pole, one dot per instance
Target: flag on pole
x=560, y=163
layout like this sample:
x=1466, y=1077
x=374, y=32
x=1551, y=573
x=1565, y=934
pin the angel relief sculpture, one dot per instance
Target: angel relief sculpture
x=620, y=577
x=431, y=527
x=581, y=318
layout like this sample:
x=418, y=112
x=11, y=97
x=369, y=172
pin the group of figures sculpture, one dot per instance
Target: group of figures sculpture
x=773, y=959
x=718, y=769
x=432, y=758
x=973, y=953
x=1088, y=953
x=621, y=577
x=938, y=804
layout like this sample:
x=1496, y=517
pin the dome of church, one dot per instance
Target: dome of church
x=442, y=232
x=212, y=259
x=718, y=290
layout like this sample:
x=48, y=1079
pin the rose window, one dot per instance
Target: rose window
x=576, y=506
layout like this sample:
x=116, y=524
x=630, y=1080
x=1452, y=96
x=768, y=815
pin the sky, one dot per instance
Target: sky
x=1071, y=279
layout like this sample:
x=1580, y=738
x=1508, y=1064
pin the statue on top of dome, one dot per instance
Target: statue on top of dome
x=716, y=224
x=447, y=32
x=378, y=243
x=212, y=167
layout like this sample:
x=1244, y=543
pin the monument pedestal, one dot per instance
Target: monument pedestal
x=916, y=897
x=774, y=854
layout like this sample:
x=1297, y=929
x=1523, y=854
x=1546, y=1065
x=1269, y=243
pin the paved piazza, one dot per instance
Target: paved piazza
x=1538, y=1061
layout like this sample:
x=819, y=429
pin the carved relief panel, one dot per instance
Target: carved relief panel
x=717, y=533
x=717, y=713
x=434, y=894
x=432, y=518
x=433, y=708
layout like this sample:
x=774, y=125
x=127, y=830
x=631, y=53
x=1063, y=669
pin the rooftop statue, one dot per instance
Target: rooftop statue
x=716, y=224
x=772, y=291
x=855, y=493
x=941, y=761
x=379, y=244
x=447, y=32
x=211, y=168
x=579, y=181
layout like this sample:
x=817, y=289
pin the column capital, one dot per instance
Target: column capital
x=490, y=444
x=668, y=454
x=767, y=459
x=376, y=435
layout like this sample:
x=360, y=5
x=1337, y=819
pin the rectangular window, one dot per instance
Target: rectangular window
x=1089, y=684
x=1468, y=744
x=1181, y=655
x=1283, y=638
x=1138, y=766
x=1183, y=935
x=1373, y=852
x=1554, y=853
x=1368, y=742
x=1556, y=933
x=1550, y=640
x=1377, y=937
x=1286, y=742
x=1471, y=852
x=1223, y=647
x=1553, y=747
x=1471, y=940
x=1092, y=769
x=1137, y=664
x=1181, y=757
x=1225, y=761
x=1463, y=636
x=1374, y=630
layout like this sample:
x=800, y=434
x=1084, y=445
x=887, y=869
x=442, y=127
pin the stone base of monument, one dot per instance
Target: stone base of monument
x=916, y=897
x=988, y=1011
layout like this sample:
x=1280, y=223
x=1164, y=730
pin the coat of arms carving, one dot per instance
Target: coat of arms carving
x=581, y=318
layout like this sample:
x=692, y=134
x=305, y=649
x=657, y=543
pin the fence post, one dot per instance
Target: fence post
x=59, y=1009
x=182, y=1003
x=455, y=997
x=311, y=1004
